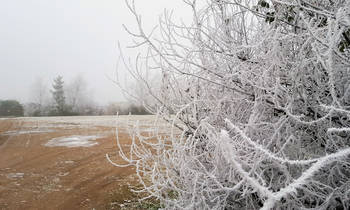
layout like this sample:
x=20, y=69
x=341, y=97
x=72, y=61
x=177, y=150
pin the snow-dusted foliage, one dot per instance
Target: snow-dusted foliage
x=261, y=93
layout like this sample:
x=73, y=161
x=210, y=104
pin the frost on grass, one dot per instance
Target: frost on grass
x=73, y=141
x=261, y=92
x=22, y=132
x=87, y=121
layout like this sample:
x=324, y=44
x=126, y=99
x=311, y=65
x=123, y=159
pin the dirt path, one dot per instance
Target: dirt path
x=33, y=176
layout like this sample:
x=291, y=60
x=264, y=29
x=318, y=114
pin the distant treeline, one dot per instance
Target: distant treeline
x=13, y=108
x=65, y=100
x=33, y=109
x=125, y=109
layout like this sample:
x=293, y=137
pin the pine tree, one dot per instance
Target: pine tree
x=58, y=95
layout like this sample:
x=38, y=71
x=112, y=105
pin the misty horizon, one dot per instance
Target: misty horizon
x=45, y=39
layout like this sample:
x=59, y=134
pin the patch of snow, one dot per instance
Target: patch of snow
x=63, y=174
x=73, y=141
x=15, y=175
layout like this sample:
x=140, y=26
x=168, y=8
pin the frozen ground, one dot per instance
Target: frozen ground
x=146, y=123
x=110, y=121
x=39, y=169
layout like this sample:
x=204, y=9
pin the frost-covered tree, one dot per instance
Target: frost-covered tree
x=261, y=92
x=78, y=97
x=38, y=94
x=76, y=93
x=58, y=96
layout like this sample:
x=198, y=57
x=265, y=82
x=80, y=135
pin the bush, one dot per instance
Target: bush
x=262, y=99
x=11, y=108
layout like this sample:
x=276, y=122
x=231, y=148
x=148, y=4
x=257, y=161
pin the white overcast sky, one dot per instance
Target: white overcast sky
x=46, y=38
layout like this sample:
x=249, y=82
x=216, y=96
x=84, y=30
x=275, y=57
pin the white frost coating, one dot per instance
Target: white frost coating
x=291, y=188
x=230, y=157
x=22, y=132
x=303, y=179
x=83, y=121
x=72, y=122
x=265, y=151
x=278, y=71
x=334, y=130
x=73, y=141
x=15, y=175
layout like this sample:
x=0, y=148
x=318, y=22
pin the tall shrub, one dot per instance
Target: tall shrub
x=261, y=92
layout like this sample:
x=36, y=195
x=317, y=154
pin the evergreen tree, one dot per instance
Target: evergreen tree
x=58, y=95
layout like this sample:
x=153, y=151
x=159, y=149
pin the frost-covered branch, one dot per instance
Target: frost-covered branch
x=257, y=97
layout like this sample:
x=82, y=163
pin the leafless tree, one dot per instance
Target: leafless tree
x=39, y=95
x=77, y=93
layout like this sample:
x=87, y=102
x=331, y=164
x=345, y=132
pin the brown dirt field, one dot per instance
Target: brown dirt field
x=33, y=176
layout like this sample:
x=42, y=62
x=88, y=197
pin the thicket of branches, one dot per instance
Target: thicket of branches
x=261, y=94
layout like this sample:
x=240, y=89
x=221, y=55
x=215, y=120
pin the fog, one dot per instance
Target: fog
x=47, y=38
